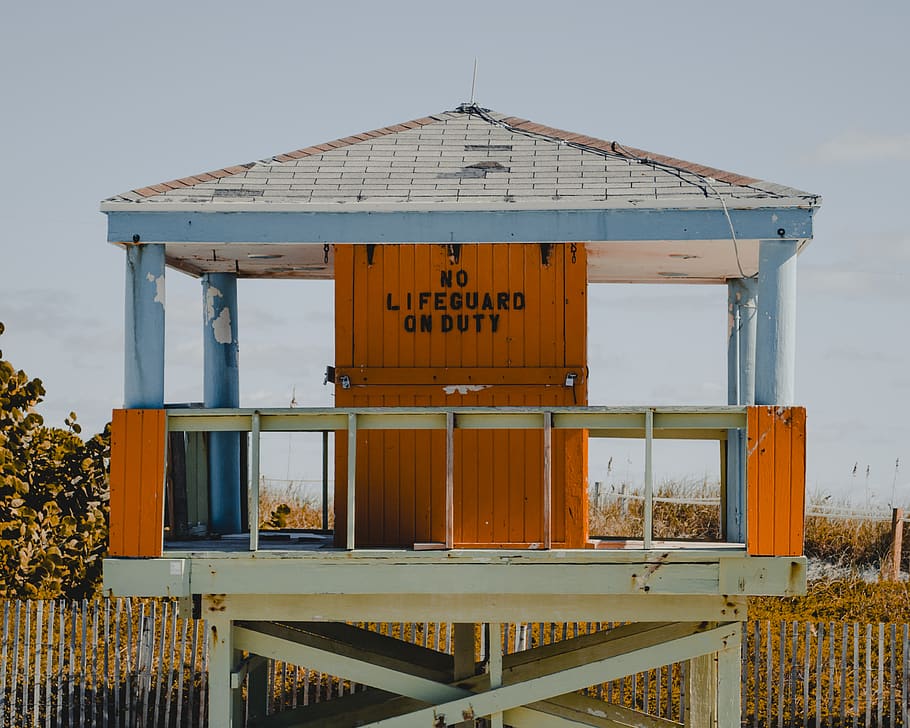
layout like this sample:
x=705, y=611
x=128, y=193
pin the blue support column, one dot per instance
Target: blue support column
x=741, y=324
x=775, y=349
x=222, y=389
x=741, y=308
x=143, y=370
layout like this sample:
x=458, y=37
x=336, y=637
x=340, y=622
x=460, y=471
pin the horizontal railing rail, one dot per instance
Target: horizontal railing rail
x=648, y=423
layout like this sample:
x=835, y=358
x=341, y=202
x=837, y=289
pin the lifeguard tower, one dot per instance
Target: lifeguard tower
x=462, y=246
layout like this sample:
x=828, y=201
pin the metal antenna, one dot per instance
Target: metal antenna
x=474, y=81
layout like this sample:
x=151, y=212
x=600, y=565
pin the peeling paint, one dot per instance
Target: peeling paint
x=596, y=713
x=464, y=388
x=159, y=287
x=210, y=294
x=221, y=327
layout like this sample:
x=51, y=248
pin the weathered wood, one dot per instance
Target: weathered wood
x=61, y=660
x=95, y=645
x=105, y=692
x=880, y=679
x=3, y=663
x=868, y=694
x=781, y=672
x=892, y=653
x=162, y=642
x=203, y=688
x=49, y=663
x=897, y=542
x=26, y=656
x=819, y=663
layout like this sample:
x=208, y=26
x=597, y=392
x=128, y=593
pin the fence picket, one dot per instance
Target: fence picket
x=819, y=653
x=26, y=656
x=49, y=662
x=61, y=659
x=180, y=673
x=807, y=641
x=843, y=673
x=880, y=694
x=94, y=670
x=868, y=656
x=107, y=674
x=891, y=674
x=905, y=674
x=171, y=672
x=3, y=656
x=162, y=643
x=15, y=681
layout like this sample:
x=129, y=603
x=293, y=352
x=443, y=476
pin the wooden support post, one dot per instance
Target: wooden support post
x=221, y=388
x=450, y=480
x=352, y=477
x=775, y=327
x=257, y=689
x=221, y=662
x=464, y=656
x=253, y=492
x=143, y=374
x=701, y=692
x=495, y=666
x=729, y=671
x=897, y=542
x=648, y=527
x=547, y=479
x=464, y=650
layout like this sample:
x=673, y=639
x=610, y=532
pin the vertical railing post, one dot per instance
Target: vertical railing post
x=649, y=480
x=352, y=474
x=547, y=479
x=450, y=480
x=253, y=492
x=325, y=481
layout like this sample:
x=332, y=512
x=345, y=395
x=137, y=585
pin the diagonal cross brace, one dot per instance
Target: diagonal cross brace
x=550, y=677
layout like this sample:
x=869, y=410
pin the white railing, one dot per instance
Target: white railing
x=649, y=423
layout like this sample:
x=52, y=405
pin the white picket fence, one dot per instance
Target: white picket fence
x=129, y=663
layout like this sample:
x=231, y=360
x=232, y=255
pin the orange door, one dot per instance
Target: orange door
x=455, y=326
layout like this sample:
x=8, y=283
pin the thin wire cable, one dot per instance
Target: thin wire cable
x=626, y=154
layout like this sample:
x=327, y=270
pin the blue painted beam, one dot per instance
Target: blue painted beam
x=448, y=226
x=742, y=294
x=143, y=365
x=775, y=344
x=741, y=318
x=221, y=388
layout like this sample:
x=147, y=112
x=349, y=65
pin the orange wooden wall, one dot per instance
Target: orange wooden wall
x=496, y=327
x=137, y=482
x=776, y=480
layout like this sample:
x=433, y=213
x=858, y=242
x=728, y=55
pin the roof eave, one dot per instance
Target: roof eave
x=709, y=203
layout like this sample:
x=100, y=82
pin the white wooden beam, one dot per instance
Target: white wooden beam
x=280, y=643
x=729, y=672
x=475, y=608
x=574, y=709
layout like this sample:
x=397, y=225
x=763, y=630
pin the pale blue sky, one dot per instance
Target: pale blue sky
x=97, y=98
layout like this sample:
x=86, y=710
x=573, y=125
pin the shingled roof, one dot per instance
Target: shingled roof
x=470, y=155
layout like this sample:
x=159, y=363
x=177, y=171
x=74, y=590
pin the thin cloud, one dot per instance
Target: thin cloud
x=862, y=146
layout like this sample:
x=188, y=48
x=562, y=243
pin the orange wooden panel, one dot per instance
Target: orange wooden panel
x=776, y=480
x=137, y=482
x=118, y=479
x=497, y=320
